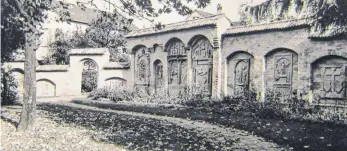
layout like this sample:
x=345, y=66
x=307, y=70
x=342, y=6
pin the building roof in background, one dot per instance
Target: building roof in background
x=187, y=24
x=266, y=26
x=83, y=16
x=52, y=68
x=87, y=15
x=202, y=14
x=88, y=51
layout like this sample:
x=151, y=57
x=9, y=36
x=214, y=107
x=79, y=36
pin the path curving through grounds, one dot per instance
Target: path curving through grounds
x=151, y=132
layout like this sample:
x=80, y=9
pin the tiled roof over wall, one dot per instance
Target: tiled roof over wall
x=211, y=20
x=52, y=68
x=115, y=65
x=89, y=51
x=267, y=26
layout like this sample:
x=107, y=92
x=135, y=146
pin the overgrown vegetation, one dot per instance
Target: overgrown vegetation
x=9, y=88
x=107, y=31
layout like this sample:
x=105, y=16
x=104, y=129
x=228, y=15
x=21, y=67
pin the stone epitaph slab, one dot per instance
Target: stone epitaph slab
x=142, y=73
x=202, y=66
x=283, y=71
x=241, y=76
x=334, y=82
x=159, y=78
x=177, y=66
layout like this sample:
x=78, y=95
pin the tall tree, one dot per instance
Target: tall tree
x=21, y=25
x=29, y=16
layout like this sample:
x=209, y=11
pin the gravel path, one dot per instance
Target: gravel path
x=242, y=140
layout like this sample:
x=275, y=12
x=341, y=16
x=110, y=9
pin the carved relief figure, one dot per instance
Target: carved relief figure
x=173, y=72
x=159, y=79
x=141, y=71
x=241, y=76
x=282, y=68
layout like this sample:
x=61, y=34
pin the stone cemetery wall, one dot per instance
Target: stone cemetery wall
x=173, y=61
x=66, y=80
x=284, y=62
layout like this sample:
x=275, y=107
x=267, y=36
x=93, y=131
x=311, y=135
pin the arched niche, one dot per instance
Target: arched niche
x=239, y=66
x=142, y=69
x=45, y=88
x=328, y=75
x=201, y=54
x=159, y=77
x=90, y=75
x=177, y=65
x=281, y=74
x=115, y=82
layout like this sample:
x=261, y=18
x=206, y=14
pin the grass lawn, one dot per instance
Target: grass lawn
x=297, y=135
x=48, y=135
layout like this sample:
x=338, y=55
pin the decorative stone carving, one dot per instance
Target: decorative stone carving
x=89, y=76
x=177, y=65
x=241, y=76
x=202, y=66
x=334, y=82
x=283, y=69
x=329, y=80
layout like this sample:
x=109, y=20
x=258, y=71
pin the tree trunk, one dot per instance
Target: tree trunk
x=29, y=101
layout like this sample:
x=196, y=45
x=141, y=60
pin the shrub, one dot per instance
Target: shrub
x=9, y=91
x=118, y=93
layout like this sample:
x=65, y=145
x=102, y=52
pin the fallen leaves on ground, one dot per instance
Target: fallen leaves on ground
x=47, y=135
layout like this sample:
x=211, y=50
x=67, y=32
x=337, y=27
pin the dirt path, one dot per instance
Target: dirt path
x=242, y=140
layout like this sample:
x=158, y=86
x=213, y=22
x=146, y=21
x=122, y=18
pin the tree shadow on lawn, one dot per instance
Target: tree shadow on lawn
x=301, y=135
x=136, y=132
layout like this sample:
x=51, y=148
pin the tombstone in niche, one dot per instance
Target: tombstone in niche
x=159, y=78
x=142, y=73
x=238, y=74
x=177, y=69
x=241, y=77
x=329, y=80
x=202, y=66
x=283, y=69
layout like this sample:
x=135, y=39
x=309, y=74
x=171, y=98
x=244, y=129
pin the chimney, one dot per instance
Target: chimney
x=219, y=9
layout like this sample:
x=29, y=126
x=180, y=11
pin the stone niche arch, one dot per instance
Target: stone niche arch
x=202, y=58
x=281, y=74
x=239, y=68
x=159, y=81
x=90, y=75
x=177, y=65
x=328, y=80
x=45, y=88
x=19, y=76
x=142, y=69
x=115, y=82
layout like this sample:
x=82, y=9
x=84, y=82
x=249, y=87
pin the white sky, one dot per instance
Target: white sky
x=230, y=8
